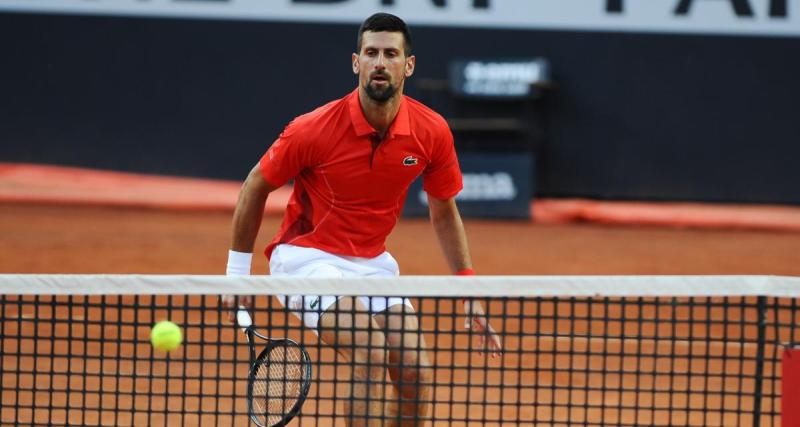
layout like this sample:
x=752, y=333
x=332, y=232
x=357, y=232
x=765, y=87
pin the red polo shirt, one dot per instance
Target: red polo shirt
x=348, y=195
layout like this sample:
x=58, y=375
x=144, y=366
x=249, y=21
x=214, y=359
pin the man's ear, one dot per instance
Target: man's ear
x=411, y=62
x=355, y=63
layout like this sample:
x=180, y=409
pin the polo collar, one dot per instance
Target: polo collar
x=399, y=126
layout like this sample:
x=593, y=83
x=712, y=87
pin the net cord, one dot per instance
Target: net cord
x=418, y=286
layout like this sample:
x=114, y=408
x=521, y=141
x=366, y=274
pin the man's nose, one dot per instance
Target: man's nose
x=380, y=62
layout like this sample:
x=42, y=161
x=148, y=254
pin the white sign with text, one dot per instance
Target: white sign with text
x=746, y=17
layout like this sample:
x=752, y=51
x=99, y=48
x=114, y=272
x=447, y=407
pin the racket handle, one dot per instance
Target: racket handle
x=243, y=318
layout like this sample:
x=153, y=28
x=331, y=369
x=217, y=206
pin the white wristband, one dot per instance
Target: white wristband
x=238, y=263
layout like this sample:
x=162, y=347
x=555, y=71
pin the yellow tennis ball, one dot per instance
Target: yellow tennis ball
x=166, y=336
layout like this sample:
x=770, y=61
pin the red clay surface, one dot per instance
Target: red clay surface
x=84, y=239
x=76, y=239
x=89, y=226
x=46, y=184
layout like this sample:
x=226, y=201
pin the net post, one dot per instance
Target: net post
x=760, y=360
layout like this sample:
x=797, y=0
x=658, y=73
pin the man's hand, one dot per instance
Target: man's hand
x=233, y=302
x=487, y=337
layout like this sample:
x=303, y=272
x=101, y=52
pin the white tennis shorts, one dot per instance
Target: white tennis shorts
x=298, y=261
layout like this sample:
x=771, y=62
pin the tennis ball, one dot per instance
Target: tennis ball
x=166, y=336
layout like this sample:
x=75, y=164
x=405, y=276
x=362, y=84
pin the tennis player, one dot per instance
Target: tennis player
x=352, y=161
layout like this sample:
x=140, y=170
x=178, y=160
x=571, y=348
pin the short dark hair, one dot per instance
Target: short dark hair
x=386, y=22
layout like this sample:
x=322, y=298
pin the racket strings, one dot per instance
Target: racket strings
x=277, y=383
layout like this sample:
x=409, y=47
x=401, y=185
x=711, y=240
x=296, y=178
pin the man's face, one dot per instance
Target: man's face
x=382, y=66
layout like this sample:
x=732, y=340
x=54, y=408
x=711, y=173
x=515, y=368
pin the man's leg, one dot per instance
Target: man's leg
x=409, y=366
x=348, y=327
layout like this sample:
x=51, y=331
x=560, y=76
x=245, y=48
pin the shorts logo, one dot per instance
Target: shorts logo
x=410, y=161
x=314, y=303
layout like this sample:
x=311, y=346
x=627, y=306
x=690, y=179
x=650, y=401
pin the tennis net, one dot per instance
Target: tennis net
x=577, y=351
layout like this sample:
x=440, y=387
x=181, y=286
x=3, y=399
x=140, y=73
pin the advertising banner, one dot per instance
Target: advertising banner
x=495, y=186
x=746, y=17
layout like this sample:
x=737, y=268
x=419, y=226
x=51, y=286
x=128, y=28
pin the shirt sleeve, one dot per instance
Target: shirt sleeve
x=442, y=176
x=286, y=157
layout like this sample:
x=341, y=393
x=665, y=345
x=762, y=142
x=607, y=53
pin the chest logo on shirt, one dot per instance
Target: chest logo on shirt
x=410, y=161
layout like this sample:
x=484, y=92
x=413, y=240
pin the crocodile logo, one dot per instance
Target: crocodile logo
x=410, y=161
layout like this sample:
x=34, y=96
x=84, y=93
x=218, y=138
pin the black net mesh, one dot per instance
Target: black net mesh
x=599, y=361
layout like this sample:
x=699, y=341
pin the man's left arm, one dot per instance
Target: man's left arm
x=449, y=229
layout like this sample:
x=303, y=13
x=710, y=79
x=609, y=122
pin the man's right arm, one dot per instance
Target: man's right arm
x=249, y=211
x=246, y=222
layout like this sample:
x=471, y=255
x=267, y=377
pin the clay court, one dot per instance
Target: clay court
x=48, y=238
x=75, y=239
x=654, y=145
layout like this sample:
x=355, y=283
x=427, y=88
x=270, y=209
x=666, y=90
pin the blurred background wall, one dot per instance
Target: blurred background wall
x=639, y=113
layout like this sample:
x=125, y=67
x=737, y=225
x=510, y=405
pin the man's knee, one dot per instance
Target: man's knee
x=367, y=363
x=413, y=373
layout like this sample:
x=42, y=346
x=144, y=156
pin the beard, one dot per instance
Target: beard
x=380, y=96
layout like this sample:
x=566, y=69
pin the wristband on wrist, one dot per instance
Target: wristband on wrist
x=465, y=272
x=238, y=263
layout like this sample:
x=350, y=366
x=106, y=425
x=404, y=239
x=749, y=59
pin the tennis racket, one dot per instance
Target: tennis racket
x=279, y=378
